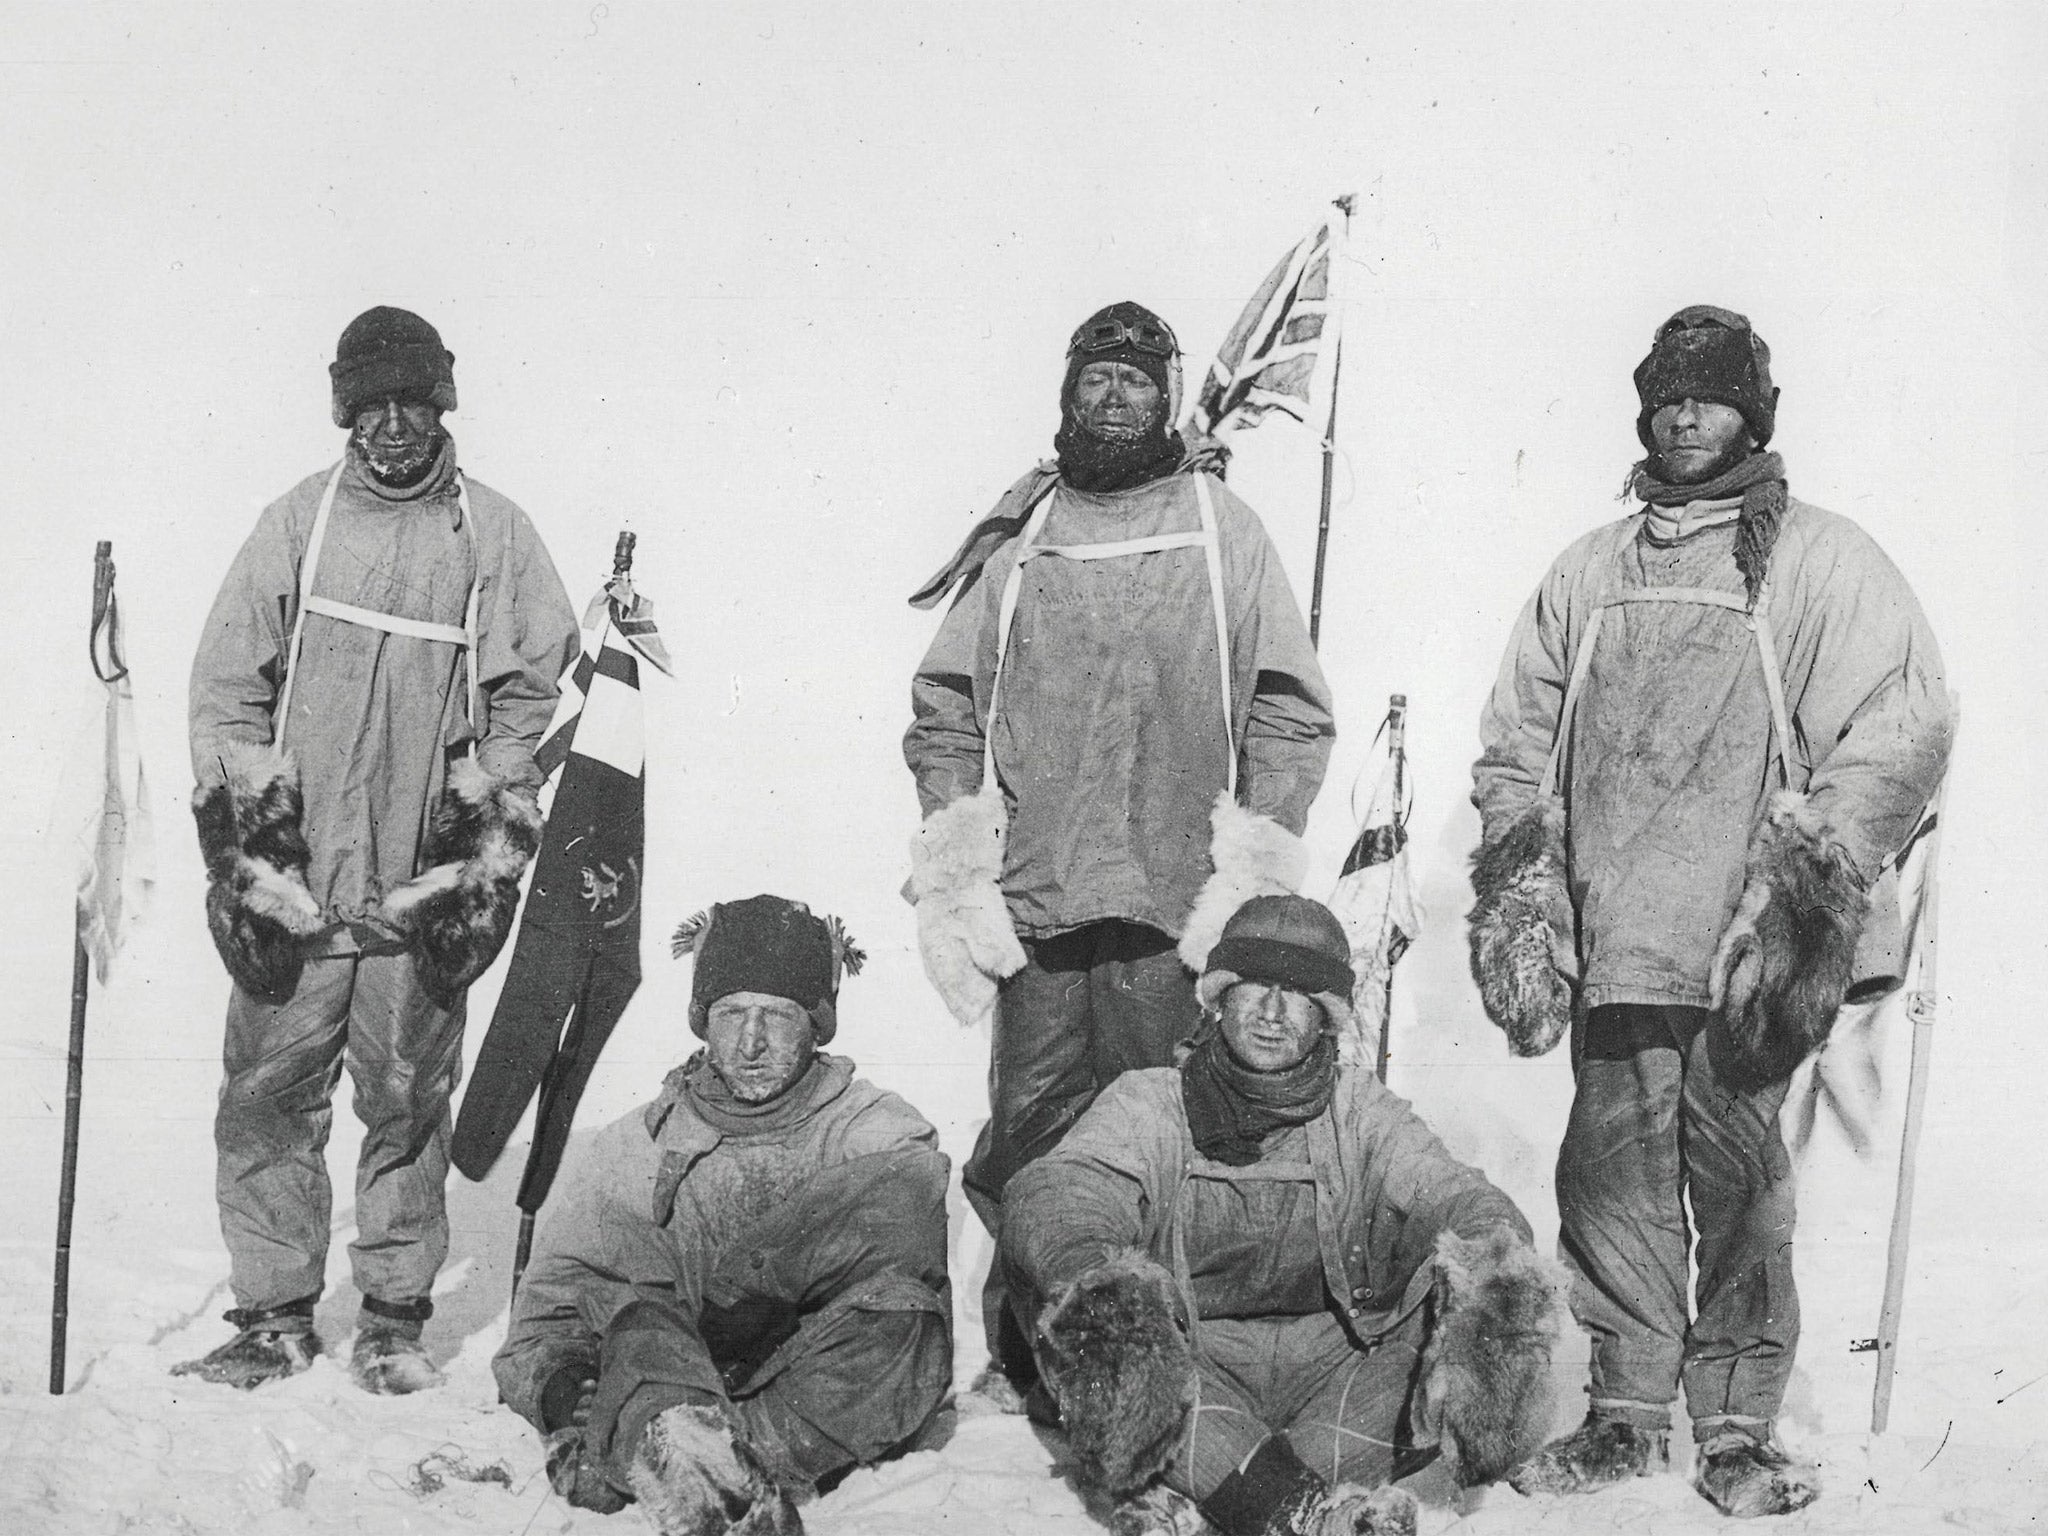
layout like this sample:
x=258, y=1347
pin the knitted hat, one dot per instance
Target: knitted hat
x=1704, y=353
x=1290, y=940
x=388, y=352
x=1127, y=333
x=766, y=944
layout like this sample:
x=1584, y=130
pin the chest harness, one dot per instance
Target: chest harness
x=463, y=635
x=1028, y=548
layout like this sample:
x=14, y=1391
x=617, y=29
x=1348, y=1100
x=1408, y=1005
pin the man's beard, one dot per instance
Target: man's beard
x=401, y=466
x=1718, y=466
x=1089, y=462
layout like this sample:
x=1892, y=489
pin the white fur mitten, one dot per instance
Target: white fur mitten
x=964, y=933
x=1249, y=855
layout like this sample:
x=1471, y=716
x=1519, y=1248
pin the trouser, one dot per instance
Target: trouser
x=1652, y=1126
x=1343, y=1410
x=281, y=1064
x=1090, y=1004
x=826, y=1330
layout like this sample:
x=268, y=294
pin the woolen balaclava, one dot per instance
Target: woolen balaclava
x=387, y=353
x=1091, y=463
x=1707, y=353
x=1297, y=943
x=770, y=945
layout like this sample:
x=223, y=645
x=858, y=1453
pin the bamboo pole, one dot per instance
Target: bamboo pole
x=1397, y=752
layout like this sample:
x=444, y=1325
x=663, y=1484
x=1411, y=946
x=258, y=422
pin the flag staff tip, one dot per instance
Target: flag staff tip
x=1348, y=203
x=622, y=552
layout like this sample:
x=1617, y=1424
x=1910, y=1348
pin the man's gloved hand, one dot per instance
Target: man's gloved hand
x=576, y=1475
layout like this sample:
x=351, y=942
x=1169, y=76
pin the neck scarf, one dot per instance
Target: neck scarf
x=729, y=1115
x=1231, y=1109
x=1759, y=480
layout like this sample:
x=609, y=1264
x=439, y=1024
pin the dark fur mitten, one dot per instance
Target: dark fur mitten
x=1522, y=932
x=1789, y=953
x=251, y=837
x=457, y=914
x=1486, y=1380
x=1110, y=1347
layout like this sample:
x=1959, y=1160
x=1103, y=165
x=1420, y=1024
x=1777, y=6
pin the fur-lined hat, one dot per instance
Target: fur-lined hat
x=1707, y=353
x=387, y=352
x=770, y=945
x=1289, y=940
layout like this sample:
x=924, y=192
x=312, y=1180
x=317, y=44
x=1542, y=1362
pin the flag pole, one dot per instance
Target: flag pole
x=74, y=1075
x=1397, y=750
x=1315, y=599
x=1922, y=1004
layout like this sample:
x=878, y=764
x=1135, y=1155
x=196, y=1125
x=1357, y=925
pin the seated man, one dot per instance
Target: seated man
x=1261, y=1283
x=741, y=1288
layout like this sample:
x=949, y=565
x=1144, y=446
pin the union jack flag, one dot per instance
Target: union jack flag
x=1282, y=344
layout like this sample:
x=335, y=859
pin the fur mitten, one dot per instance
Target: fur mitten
x=1789, y=953
x=1485, y=1374
x=1249, y=855
x=257, y=904
x=1350, y=1509
x=577, y=1475
x=694, y=1477
x=964, y=933
x=1110, y=1347
x=457, y=915
x=1522, y=932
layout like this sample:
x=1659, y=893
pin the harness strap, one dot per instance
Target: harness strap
x=1767, y=658
x=370, y=618
x=1205, y=538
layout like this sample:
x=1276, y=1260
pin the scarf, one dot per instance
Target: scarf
x=1759, y=480
x=1231, y=1109
x=728, y=1115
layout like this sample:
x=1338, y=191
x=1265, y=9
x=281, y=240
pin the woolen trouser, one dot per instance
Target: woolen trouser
x=1090, y=1004
x=1344, y=1410
x=819, y=1331
x=1652, y=1126
x=282, y=1063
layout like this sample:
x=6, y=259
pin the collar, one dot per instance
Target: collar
x=1674, y=525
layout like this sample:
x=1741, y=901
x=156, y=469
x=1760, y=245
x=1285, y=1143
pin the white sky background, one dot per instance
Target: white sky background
x=785, y=291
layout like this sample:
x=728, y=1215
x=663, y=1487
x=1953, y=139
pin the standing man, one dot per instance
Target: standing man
x=373, y=678
x=1119, y=729
x=1718, y=721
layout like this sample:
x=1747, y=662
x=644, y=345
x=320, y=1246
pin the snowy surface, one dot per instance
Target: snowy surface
x=784, y=290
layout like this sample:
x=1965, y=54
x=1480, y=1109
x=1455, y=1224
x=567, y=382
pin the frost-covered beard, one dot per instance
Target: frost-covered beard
x=401, y=465
x=1091, y=461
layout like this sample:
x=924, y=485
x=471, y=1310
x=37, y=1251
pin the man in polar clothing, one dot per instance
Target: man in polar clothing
x=1718, y=721
x=740, y=1289
x=1261, y=1284
x=1119, y=729
x=369, y=688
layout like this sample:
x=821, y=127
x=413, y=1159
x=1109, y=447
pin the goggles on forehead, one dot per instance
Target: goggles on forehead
x=1107, y=335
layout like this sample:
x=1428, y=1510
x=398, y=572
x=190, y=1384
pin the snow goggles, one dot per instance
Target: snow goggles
x=1108, y=335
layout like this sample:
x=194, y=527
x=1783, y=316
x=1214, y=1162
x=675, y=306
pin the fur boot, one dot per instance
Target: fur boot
x=964, y=933
x=1522, y=932
x=1351, y=1510
x=1598, y=1454
x=1249, y=855
x=694, y=1477
x=1745, y=1474
x=1789, y=953
x=1110, y=1347
x=457, y=915
x=254, y=845
x=1486, y=1369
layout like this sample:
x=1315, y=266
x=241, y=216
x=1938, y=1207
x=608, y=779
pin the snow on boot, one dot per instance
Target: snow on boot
x=273, y=1343
x=693, y=1477
x=388, y=1359
x=1598, y=1454
x=1745, y=1475
x=1349, y=1510
x=1158, y=1511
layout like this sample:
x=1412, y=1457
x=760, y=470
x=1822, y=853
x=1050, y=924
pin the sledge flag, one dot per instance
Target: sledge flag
x=576, y=962
x=1283, y=344
x=1375, y=899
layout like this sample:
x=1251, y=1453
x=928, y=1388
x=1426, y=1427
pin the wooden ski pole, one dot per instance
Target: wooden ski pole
x=1922, y=1005
x=74, y=1075
x=1315, y=596
x=1397, y=752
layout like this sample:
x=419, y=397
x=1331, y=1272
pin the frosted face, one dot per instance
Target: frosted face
x=1695, y=440
x=1269, y=1027
x=758, y=1043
